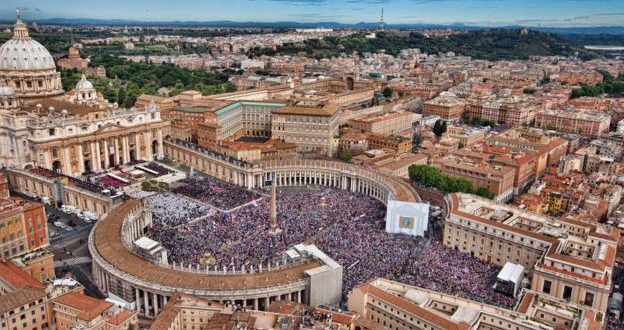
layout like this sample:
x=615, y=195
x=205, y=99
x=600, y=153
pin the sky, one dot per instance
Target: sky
x=559, y=13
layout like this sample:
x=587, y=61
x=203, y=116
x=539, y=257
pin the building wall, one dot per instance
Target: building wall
x=32, y=316
x=310, y=133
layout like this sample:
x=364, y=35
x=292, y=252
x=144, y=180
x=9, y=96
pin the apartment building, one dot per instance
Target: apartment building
x=512, y=112
x=22, y=300
x=387, y=304
x=593, y=124
x=311, y=127
x=387, y=123
x=447, y=107
x=497, y=179
x=566, y=259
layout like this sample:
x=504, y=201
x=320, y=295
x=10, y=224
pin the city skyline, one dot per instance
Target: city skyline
x=557, y=13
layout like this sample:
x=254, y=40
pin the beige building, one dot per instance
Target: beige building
x=592, y=124
x=499, y=180
x=311, y=128
x=567, y=259
x=190, y=312
x=75, y=309
x=399, y=145
x=466, y=135
x=511, y=112
x=393, y=305
x=387, y=123
x=447, y=107
x=22, y=300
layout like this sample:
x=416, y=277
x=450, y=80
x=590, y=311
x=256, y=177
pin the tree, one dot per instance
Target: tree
x=387, y=92
x=121, y=96
x=430, y=176
x=344, y=156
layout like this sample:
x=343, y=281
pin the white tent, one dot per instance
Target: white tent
x=509, y=278
x=407, y=218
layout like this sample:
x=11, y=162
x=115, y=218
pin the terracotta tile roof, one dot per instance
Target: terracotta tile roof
x=16, y=277
x=320, y=112
x=20, y=297
x=120, y=317
x=89, y=307
x=412, y=308
x=109, y=245
x=526, y=302
x=168, y=314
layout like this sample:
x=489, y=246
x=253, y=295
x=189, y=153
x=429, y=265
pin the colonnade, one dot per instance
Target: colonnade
x=327, y=177
x=234, y=172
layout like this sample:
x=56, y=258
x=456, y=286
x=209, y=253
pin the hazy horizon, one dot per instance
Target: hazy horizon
x=492, y=13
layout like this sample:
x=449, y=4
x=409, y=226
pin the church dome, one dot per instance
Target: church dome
x=23, y=53
x=83, y=84
x=27, y=67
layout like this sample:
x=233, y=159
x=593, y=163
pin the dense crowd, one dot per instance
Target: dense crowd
x=171, y=210
x=452, y=272
x=162, y=170
x=348, y=227
x=215, y=192
x=110, y=182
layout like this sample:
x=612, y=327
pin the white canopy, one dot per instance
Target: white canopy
x=511, y=273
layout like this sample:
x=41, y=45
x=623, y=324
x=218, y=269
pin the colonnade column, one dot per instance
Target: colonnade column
x=66, y=160
x=137, y=146
x=146, y=302
x=116, y=155
x=80, y=155
x=106, y=154
x=148, y=145
x=155, y=303
x=95, y=162
x=137, y=299
x=46, y=159
x=161, y=152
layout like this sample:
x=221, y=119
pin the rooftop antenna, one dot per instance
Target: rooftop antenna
x=381, y=22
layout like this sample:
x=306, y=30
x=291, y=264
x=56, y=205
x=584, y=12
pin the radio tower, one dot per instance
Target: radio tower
x=381, y=22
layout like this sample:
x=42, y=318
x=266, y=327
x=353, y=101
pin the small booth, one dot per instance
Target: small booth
x=509, y=280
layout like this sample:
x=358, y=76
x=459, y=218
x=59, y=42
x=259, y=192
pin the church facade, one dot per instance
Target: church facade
x=72, y=133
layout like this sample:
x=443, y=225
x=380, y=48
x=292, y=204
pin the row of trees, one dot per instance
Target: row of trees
x=610, y=85
x=430, y=176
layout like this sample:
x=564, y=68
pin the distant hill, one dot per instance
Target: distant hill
x=328, y=24
x=495, y=44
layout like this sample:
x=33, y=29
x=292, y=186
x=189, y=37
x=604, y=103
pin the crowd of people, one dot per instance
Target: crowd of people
x=172, y=211
x=162, y=170
x=215, y=192
x=348, y=227
x=449, y=271
x=110, y=182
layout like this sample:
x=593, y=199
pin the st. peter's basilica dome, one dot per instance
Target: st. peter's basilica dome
x=27, y=67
